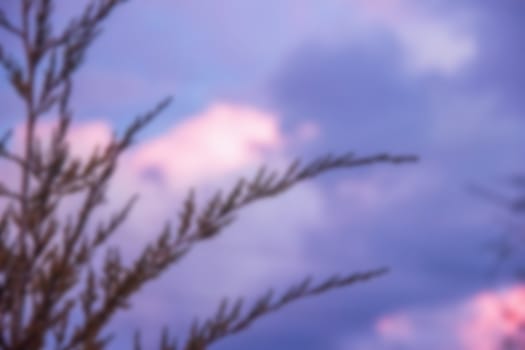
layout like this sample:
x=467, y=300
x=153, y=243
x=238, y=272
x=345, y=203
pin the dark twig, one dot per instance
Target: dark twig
x=230, y=318
x=46, y=261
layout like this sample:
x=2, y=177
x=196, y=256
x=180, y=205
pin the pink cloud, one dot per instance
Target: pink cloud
x=493, y=317
x=221, y=139
x=82, y=137
x=395, y=326
x=480, y=322
x=211, y=146
x=308, y=131
x=219, y=142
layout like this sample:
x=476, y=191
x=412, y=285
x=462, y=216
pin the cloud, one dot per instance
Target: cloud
x=493, y=316
x=221, y=139
x=395, y=326
x=357, y=93
x=211, y=147
x=82, y=138
x=499, y=68
x=432, y=44
x=482, y=321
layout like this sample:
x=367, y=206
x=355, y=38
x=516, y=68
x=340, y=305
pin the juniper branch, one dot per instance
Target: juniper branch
x=45, y=262
x=230, y=319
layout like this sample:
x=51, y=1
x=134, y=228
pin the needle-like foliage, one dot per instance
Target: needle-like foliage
x=46, y=263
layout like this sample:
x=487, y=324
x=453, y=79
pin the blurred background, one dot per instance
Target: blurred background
x=265, y=81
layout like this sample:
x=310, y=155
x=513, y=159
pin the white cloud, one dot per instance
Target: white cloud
x=432, y=44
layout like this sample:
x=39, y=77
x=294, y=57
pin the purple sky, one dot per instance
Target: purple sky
x=265, y=81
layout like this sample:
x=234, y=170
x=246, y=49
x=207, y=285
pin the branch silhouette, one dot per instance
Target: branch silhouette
x=46, y=263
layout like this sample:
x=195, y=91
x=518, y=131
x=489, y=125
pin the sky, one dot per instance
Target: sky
x=266, y=81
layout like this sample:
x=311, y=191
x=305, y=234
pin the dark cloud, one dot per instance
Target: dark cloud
x=362, y=98
x=358, y=94
x=499, y=67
